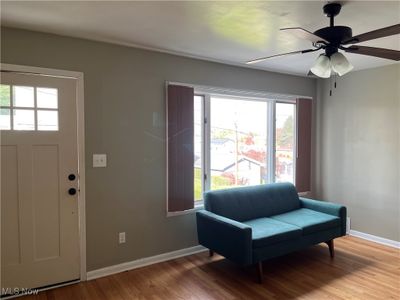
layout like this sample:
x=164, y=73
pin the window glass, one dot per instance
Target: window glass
x=238, y=142
x=285, y=142
x=46, y=98
x=24, y=119
x=198, y=148
x=23, y=96
x=4, y=95
x=5, y=119
x=47, y=120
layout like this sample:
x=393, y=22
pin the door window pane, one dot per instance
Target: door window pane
x=23, y=96
x=47, y=120
x=24, y=119
x=5, y=118
x=285, y=141
x=238, y=142
x=46, y=98
x=4, y=95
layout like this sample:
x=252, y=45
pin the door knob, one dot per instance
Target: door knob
x=72, y=191
x=71, y=177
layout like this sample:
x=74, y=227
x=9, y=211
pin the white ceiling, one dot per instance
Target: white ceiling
x=230, y=32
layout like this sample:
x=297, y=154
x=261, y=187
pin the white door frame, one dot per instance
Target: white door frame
x=81, y=146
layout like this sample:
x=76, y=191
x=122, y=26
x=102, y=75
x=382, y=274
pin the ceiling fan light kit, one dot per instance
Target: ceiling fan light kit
x=322, y=67
x=325, y=66
x=334, y=38
x=340, y=64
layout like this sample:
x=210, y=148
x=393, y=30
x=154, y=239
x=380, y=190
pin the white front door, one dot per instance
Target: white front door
x=39, y=181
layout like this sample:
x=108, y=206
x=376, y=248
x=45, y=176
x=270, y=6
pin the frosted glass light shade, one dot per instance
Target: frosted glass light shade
x=322, y=66
x=340, y=64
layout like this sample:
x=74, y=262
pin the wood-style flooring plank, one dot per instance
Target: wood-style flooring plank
x=359, y=270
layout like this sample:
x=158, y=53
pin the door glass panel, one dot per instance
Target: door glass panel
x=198, y=148
x=4, y=95
x=24, y=119
x=238, y=142
x=23, y=96
x=47, y=120
x=46, y=98
x=5, y=119
x=285, y=141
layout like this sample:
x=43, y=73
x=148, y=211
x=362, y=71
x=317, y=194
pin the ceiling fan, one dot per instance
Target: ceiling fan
x=332, y=38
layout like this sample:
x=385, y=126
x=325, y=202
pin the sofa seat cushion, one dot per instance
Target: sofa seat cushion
x=267, y=231
x=308, y=220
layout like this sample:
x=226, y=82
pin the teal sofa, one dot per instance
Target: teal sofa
x=250, y=224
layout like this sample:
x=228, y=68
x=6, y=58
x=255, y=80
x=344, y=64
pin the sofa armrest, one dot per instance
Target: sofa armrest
x=227, y=237
x=327, y=208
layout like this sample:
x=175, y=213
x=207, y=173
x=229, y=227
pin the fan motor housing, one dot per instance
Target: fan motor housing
x=335, y=35
x=332, y=9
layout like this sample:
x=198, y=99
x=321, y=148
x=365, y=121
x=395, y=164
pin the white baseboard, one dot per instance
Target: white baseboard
x=374, y=238
x=142, y=262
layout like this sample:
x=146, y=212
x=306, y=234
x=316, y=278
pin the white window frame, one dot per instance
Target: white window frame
x=271, y=136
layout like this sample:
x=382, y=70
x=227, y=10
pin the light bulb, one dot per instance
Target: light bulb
x=340, y=64
x=322, y=66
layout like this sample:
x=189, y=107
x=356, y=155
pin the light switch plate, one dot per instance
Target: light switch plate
x=99, y=160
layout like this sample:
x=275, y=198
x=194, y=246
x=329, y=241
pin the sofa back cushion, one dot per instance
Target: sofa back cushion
x=246, y=203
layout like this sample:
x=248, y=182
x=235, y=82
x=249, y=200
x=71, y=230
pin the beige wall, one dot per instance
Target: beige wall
x=123, y=88
x=358, y=151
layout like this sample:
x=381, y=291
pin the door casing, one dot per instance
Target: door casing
x=78, y=76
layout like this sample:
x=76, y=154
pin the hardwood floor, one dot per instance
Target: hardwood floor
x=359, y=270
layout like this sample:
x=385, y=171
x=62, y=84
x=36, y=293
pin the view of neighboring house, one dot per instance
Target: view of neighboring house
x=237, y=169
x=248, y=170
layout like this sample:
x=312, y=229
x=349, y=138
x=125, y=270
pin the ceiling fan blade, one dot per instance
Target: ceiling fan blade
x=376, y=34
x=304, y=34
x=372, y=51
x=282, y=54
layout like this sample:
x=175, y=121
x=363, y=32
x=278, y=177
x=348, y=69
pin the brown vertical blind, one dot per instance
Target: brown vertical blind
x=180, y=147
x=303, y=159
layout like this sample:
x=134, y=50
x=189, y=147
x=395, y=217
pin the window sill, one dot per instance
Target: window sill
x=186, y=212
x=302, y=194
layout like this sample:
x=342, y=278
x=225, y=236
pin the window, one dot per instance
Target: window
x=198, y=147
x=217, y=140
x=284, y=142
x=28, y=108
x=238, y=142
x=234, y=142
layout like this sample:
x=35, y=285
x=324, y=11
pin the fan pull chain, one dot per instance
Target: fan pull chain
x=330, y=85
x=335, y=79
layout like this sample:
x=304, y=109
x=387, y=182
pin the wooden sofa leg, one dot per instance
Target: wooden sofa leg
x=331, y=248
x=260, y=272
x=211, y=253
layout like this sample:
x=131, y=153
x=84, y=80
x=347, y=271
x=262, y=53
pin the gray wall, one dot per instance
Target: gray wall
x=358, y=151
x=123, y=87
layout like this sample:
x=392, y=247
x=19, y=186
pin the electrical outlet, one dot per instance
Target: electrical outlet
x=121, y=236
